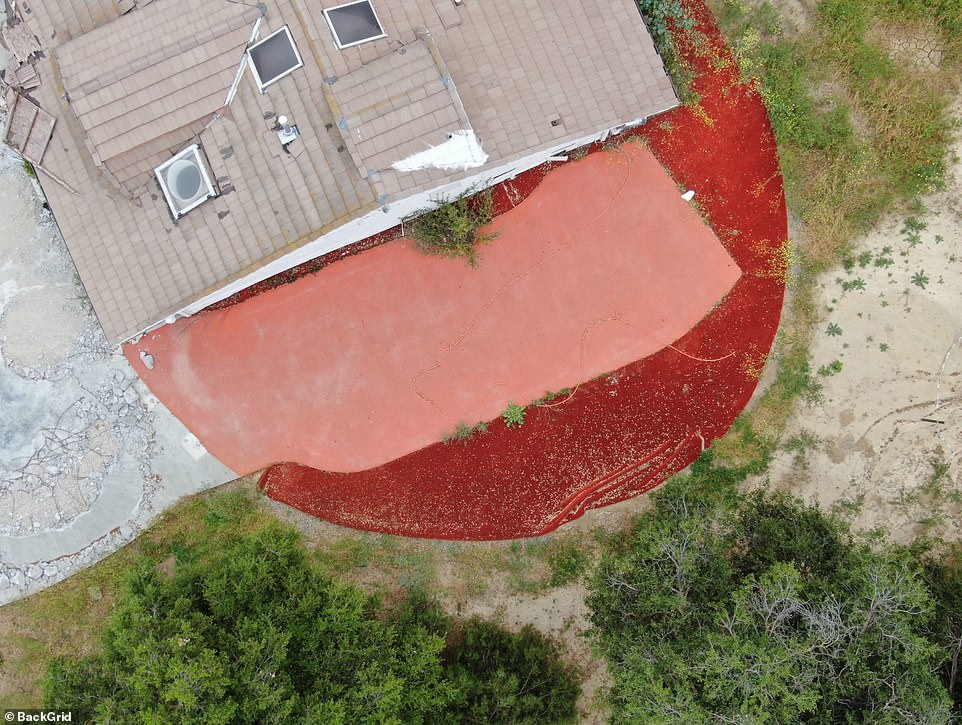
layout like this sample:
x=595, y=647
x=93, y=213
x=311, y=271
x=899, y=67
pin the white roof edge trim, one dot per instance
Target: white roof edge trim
x=462, y=150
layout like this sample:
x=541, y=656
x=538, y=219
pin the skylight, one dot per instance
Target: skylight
x=273, y=58
x=354, y=23
x=185, y=181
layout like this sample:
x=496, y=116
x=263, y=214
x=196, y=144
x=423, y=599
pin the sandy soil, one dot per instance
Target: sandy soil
x=884, y=447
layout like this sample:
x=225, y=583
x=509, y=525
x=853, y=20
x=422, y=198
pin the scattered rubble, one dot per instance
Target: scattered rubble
x=75, y=415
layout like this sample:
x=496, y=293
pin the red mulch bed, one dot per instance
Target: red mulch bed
x=625, y=433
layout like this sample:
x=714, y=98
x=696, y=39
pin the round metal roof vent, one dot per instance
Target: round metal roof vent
x=185, y=181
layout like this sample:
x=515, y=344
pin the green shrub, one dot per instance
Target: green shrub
x=662, y=17
x=568, y=561
x=764, y=607
x=249, y=631
x=453, y=227
x=513, y=415
x=509, y=678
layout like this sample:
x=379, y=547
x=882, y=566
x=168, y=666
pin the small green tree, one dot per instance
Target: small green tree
x=255, y=635
x=755, y=608
x=944, y=578
x=252, y=633
x=515, y=679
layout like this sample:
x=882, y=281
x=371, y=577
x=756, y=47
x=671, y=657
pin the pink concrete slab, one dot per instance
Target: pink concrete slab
x=383, y=353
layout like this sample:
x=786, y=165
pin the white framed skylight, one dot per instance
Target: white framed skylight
x=185, y=181
x=273, y=58
x=354, y=23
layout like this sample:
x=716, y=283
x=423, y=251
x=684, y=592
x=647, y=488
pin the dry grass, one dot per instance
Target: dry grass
x=861, y=131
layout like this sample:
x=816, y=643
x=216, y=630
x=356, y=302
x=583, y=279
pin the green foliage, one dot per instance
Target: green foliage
x=513, y=415
x=801, y=445
x=944, y=579
x=884, y=258
x=515, y=679
x=852, y=284
x=250, y=632
x=856, y=129
x=662, y=17
x=568, y=561
x=756, y=608
x=920, y=279
x=833, y=330
x=28, y=169
x=833, y=368
x=464, y=432
x=551, y=395
x=797, y=381
x=453, y=227
x=253, y=634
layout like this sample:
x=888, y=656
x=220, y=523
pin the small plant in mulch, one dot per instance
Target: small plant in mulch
x=453, y=227
x=551, y=395
x=513, y=415
x=464, y=432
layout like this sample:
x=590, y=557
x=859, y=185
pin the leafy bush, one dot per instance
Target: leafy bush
x=250, y=632
x=840, y=178
x=944, y=578
x=719, y=606
x=568, y=561
x=513, y=415
x=509, y=678
x=452, y=228
x=662, y=17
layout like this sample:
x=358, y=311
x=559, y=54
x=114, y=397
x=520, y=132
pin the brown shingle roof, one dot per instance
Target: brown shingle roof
x=393, y=106
x=134, y=102
x=130, y=92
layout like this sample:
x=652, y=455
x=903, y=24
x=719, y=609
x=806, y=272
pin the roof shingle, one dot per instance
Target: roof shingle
x=129, y=92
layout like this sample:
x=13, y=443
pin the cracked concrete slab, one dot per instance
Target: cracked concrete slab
x=88, y=456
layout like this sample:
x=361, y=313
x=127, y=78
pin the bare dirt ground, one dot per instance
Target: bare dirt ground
x=884, y=446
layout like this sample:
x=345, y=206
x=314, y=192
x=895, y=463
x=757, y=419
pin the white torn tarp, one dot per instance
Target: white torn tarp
x=462, y=150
